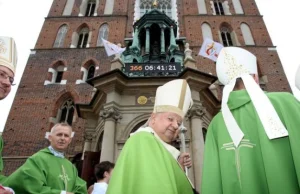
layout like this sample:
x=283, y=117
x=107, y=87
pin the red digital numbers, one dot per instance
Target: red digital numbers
x=136, y=68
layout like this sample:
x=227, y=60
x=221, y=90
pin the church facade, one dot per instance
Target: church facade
x=69, y=78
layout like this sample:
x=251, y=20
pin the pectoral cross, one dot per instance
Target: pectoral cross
x=64, y=177
x=231, y=146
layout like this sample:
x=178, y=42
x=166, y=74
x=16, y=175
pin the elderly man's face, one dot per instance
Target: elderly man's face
x=60, y=138
x=166, y=125
x=5, y=85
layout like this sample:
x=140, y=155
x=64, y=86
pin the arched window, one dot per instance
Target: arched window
x=59, y=74
x=90, y=9
x=218, y=7
x=237, y=7
x=60, y=37
x=68, y=7
x=206, y=31
x=201, y=7
x=91, y=72
x=67, y=112
x=103, y=33
x=88, y=71
x=56, y=73
x=83, y=38
x=226, y=37
x=109, y=6
x=247, y=34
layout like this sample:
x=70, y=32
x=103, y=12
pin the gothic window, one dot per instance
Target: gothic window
x=91, y=72
x=83, y=38
x=109, y=6
x=67, y=112
x=68, y=8
x=103, y=33
x=201, y=7
x=58, y=74
x=247, y=34
x=237, y=7
x=218, y=7
x=162, y=5
x=88, y=71
x=226, y=37
x=206, y=31
x=90, y=8
x=60, y=37
x=55, y=74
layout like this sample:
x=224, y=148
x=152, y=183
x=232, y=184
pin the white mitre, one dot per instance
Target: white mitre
x=297, y=78
x=233, y=63
x=8, y=53
x=174, y=96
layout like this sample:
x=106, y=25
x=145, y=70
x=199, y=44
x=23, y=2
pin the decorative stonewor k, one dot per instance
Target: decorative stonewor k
x=155, y=3
x=188, y=60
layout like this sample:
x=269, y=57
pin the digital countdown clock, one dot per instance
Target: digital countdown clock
x=153, y=67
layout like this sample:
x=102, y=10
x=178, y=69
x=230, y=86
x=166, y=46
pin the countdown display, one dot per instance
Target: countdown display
x=153, y=67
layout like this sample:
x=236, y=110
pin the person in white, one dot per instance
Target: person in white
x=103, y=173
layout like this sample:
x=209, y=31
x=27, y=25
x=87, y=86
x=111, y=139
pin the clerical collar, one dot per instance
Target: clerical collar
x=56, y=153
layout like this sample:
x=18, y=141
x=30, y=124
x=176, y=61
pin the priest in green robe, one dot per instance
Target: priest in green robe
x=148, y=164
x=48, y=171
x=252, y=145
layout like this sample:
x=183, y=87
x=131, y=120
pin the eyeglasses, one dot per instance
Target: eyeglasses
x=4, y=76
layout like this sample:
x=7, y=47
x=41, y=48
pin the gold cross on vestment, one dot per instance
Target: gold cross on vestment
x=231, y=146
x=64, y=177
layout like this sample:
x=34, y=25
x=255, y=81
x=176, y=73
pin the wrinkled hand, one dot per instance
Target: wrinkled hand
x=5, y=192
x=185, y=160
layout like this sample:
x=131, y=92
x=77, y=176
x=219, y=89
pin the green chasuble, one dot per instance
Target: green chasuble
x=146, y=167
x=258, y=165
x=44, y=173
x=2, y=177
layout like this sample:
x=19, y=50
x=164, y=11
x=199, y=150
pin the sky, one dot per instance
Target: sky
x=23, y=20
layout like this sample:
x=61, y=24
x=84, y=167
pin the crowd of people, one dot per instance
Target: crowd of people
x=252, y=144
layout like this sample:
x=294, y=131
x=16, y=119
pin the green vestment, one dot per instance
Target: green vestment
x=44, y=173
x=146, y=167
x=259, y=165
x=2, y=177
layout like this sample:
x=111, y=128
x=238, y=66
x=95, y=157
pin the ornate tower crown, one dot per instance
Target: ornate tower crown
x=155, y=3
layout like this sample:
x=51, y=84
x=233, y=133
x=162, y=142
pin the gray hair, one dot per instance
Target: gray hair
x=62, y=125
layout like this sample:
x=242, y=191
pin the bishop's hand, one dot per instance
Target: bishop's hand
x=185, y=160
x=5, y=192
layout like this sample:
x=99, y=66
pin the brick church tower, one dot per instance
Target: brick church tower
x=69, y=78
